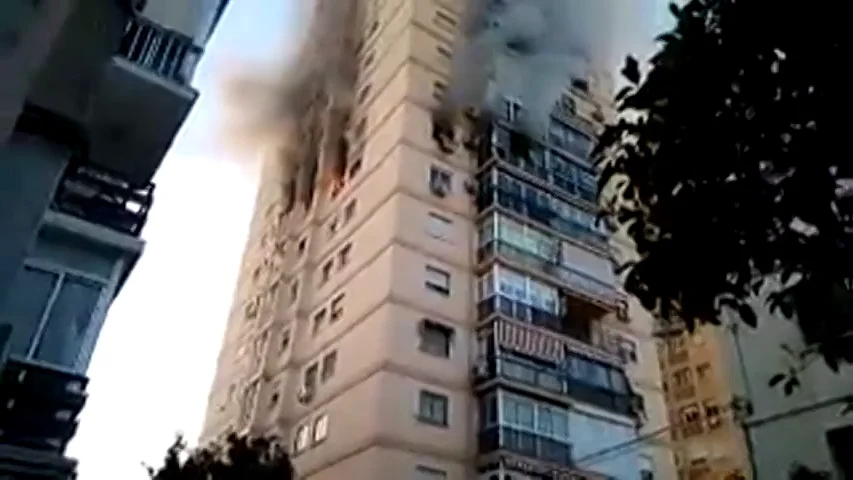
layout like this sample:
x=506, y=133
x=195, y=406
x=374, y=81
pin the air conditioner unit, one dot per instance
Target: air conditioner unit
x=304, y=394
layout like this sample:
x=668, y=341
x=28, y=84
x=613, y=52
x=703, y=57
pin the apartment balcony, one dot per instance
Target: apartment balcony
x=531, y=206
x=576, y=336
x=142, y=99
x=40, y=405
x=103, y=198
x=497, y=439
x=578, y=283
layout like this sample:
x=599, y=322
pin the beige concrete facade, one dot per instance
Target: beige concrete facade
x=339, y=294
x=708, y=442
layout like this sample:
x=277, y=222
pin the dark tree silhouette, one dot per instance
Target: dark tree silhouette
x=727, y=170
x=240, y=458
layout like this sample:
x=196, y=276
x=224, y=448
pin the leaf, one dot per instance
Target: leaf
x=776, y=379
x=747, y=314
x=790, y=385
x=631, y=70
x=674, y=10
x=623, y=93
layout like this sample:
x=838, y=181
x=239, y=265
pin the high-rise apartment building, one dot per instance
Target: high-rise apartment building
x=708, y=438
x=408, y=312
x=92, y=93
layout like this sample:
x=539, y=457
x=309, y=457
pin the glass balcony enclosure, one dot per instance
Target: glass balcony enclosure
x=531, y=248
x=525, y=427
x=499, y=189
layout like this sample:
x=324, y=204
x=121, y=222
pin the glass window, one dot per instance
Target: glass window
x=25, y=305
x=486, y=286
x=300, y=441
x=321, y=428
x=433, y=408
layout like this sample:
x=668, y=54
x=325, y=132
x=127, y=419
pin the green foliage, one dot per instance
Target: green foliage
x=725, y=169
x=240, y=458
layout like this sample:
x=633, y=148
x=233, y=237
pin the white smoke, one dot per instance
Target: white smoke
x=530, y=50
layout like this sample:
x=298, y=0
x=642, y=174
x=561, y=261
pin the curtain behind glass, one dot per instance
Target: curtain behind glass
x=25, y=305
x=68, y=321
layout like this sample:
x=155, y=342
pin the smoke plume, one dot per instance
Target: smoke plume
x=530, y=50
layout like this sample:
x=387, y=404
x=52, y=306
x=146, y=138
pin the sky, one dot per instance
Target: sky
x=155, y=359
x=152, y=368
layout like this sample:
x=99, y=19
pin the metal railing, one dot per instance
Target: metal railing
x=165, y=52
x=492, y=195
x=526, y=444
x=570, y=277
x=95, y=195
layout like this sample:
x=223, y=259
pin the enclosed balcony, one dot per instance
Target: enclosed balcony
x=526, y=444
x=103, y=198
x=550, y=366
x=499, y=190
x=142, y=99
x=576, y=282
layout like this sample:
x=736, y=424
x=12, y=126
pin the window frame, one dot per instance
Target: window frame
x=443, y=275
x=430, y=399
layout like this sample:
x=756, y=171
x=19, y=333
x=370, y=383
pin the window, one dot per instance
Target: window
x=437, y=280
x=439, y=181
x=50, y=312
x=438, y=226
x=337, y=308
x=309, y=378
x=444, y=51
x=285, y=340
x=317, y=321
x=355, y=167
x=445, y=21
x=333, y=226
x=435, y=338
x=321, y=428
x=360, y=128
x=330, y=362
x=273, y=399
x=300, y=441
x=432, y=408
x=300, y=247
x=368, y=59
x=681, y=378
x=712, y=414
x=647, y=475
x=428, y=473
x=438, y=90
x=349, y=211
x=703, y=371
x=326, y=272
x=294, y=290
x=344, y=256
x=363, y=93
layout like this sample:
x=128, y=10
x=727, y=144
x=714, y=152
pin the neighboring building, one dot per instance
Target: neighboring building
x=92, y=95
x=405, y=313
x=807, y=427
x=707, y=439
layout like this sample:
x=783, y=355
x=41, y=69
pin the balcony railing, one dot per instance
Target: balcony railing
x=94, y=195
x=40, y=405
x=526, y=444
x=519, y=311
x=162, y=51
x=492, y=195
x=568, y=276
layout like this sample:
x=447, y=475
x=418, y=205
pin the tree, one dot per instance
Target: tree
x=240, y=458
x=726, y=168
